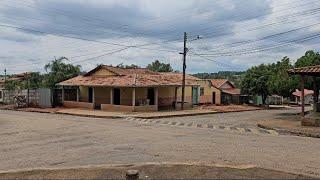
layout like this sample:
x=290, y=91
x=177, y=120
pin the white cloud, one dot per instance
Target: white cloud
x=132, y=22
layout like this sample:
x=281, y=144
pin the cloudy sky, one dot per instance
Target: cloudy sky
x=234, y=34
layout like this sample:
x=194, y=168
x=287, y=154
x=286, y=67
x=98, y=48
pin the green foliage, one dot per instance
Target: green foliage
x=233, y=76
x=255, y=81
x=12, y=85
x=34, y=80
x=310, y=58
x=132, y=66
x=280, y=82
x=157, y=66
x=58, y=71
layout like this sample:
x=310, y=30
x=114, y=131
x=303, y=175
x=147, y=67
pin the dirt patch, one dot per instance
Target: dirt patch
x=230, y=108
x=154, y=171
x=292, y=127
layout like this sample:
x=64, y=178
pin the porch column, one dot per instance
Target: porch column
x=302, y=95
x=315, y=94
x=156, y=92
x=78, y=94
x=111, y=96
x=93, y=97
x=134, y=97
x=62, y=94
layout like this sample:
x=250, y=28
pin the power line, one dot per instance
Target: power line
x=245, y=42
x=262, y=49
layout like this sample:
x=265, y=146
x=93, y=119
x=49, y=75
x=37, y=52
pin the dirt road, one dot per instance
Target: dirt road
x=33, y=140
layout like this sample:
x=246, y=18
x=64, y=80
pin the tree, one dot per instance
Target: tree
x=34, y=80
x=310, y=58
x=132, y=66
x=58, y=71
x=157, y=66
x=255, y=81
x=12, y=85
x=280, y=82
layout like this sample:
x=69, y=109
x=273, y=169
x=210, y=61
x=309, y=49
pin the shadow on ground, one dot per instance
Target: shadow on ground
x=173, y=171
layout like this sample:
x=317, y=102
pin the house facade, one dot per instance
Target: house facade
x=219, y=92
x=117, y=89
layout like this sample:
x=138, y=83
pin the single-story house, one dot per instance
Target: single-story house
x=308, y=96
x=121, y=89
x=218, y=91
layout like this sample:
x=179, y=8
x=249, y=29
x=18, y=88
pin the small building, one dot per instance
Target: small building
x=218, y=91
x=121, y=89
x=308, y=96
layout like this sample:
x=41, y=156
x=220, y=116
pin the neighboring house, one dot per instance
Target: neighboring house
x=218, y=91
x=308, y=96
x=120, y=89
x=229, y=93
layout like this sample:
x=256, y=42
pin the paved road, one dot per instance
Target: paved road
x=33, y=140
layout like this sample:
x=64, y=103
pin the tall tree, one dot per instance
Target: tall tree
x=280, y=82
x=157, y=66
x=310, y=58
x=58, y=71
x=255, y=81
x=34, y=80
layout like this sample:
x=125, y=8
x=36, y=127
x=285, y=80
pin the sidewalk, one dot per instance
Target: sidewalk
x=144, y=115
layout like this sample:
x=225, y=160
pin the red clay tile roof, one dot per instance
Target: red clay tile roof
x=309, y=70
x=121, y=71
x=306, y=92
x=136, y=78
x=219, y=82
x=233, y=91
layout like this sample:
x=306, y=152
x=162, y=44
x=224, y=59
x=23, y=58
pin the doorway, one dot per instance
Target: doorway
x=195, y=95
x=150, y=96
x=116, y=96
x=213, y=97
x=90, y=94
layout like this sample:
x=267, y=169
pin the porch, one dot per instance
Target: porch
x=309, y=73
x=125, y=99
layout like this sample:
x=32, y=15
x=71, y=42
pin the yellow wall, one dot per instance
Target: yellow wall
x=102, y=95
x=206, y=98
x=126, y=96
x=83, y=94
x=166, y=96
x=188, y=94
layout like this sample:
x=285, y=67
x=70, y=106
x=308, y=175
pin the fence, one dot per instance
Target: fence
x=34, y=97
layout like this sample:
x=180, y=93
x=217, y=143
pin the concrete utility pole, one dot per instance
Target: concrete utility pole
x=5, y=74
x=185, y=50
